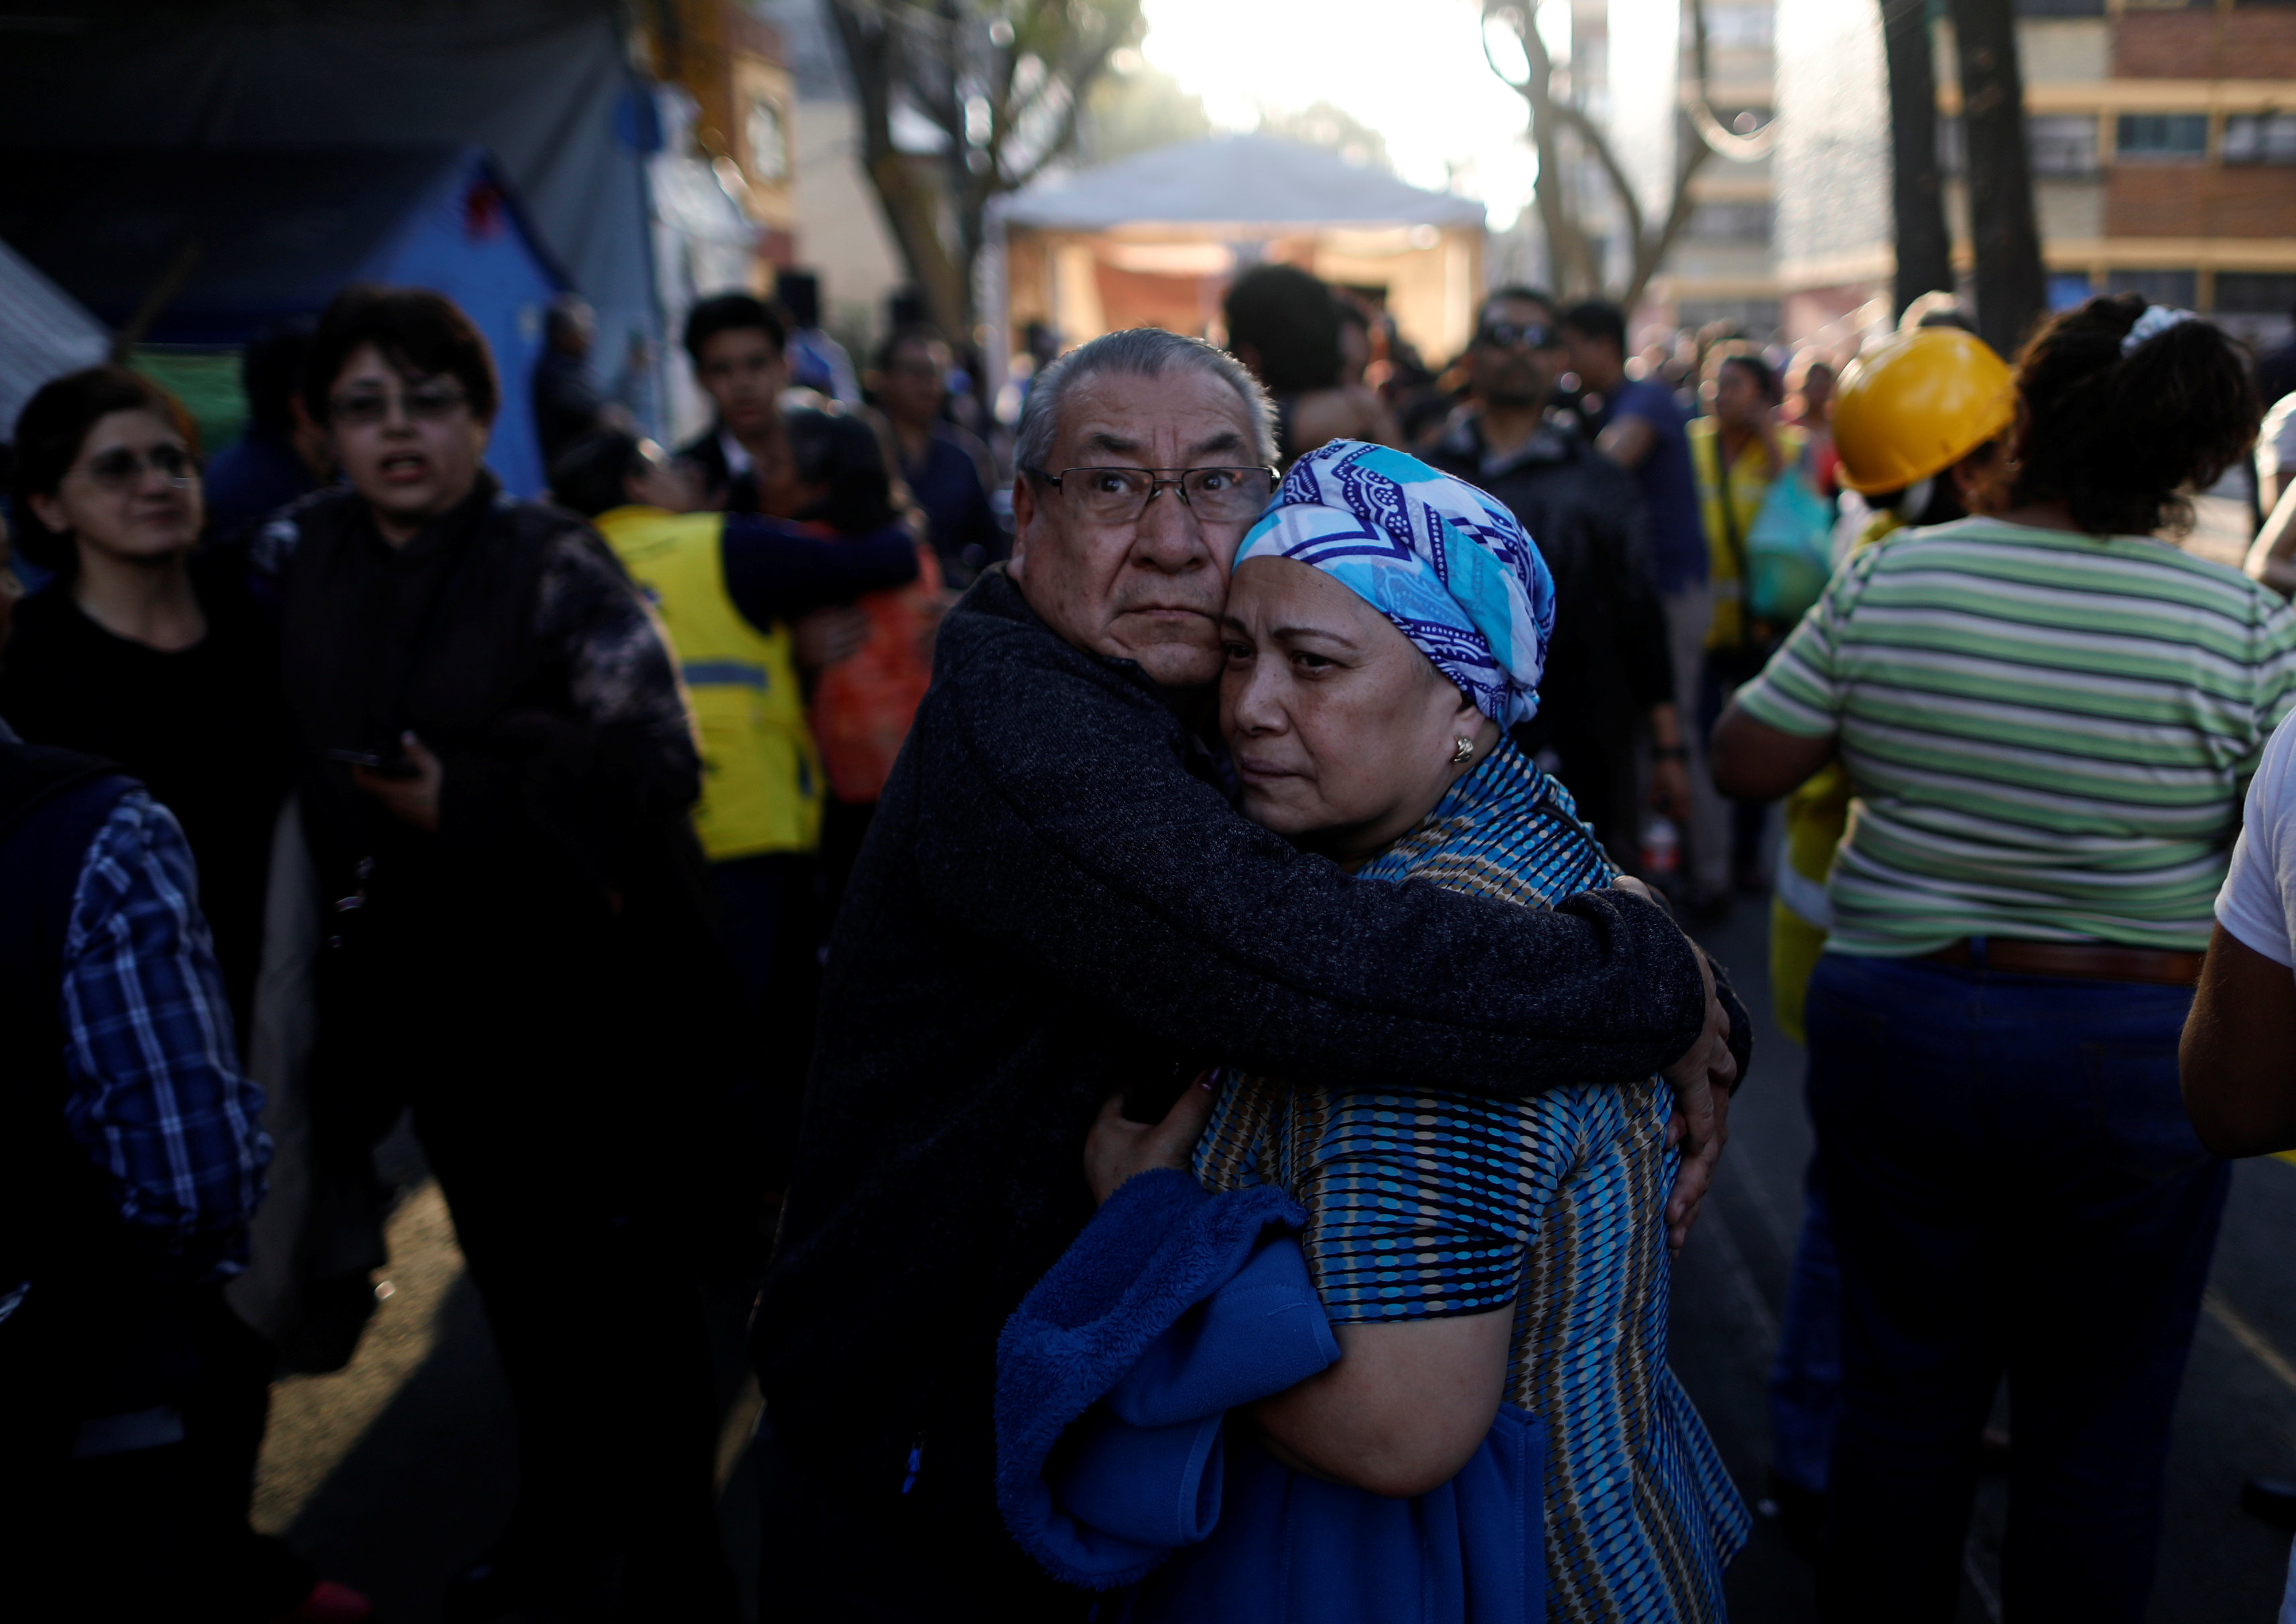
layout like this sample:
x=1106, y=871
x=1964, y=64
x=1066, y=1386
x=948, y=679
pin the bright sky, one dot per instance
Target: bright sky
x=1412, y=69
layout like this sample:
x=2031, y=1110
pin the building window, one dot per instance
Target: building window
x=2058, y=144
x=2178, y=288
x=768, y=137
x=2163, y=136
x=1730, y=222
x=2060, y=8
x=2260, y=138
x=1738, y=28
x=2255, y=292
x=2062, y=144
x=2068, y=289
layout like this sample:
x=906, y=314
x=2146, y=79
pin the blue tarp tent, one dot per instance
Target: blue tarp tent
x=230, y=241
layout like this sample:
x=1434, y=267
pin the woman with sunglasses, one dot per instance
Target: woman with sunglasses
x=146, y=649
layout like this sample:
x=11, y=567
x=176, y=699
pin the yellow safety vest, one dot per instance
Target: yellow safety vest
x=1748, y=485
x=761, y=779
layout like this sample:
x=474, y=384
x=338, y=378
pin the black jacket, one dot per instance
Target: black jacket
x=1608, y=663
x=556, y=924
x=1056, y=901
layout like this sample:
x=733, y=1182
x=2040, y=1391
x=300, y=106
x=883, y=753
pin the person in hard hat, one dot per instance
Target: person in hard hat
x=1917, y=427
x=2048, y=714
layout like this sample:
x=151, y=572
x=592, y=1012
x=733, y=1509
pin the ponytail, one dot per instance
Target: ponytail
x=2113, y=421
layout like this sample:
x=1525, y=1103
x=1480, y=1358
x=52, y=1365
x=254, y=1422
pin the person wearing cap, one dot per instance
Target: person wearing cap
x=1386, y=627
x=2046, y=716
x=1917, y=425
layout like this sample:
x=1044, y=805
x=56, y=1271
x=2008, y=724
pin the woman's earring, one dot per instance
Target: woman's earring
x=1464, y=749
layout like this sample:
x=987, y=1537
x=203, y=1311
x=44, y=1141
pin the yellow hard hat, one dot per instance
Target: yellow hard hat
x=1916, y=404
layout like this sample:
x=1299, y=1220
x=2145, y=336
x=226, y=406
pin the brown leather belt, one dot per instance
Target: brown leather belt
x=2083, y=960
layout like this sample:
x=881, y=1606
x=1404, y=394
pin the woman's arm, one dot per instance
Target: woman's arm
x=1406, y=1405
x=1753, y=761
x=2272, y=557
x=2237, y=1060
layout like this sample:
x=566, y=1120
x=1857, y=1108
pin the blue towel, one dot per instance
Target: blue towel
x=1290, y=1549
x=1170, y=1308
x=1114, y=1468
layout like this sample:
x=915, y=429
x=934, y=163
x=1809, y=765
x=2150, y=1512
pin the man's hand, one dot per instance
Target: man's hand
x=826, y=636
x=412, y=800
x=1118, y=1147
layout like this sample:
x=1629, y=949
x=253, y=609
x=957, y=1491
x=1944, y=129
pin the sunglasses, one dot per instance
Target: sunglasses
x=423, y=404
x=122, y=468
x=1517, y=335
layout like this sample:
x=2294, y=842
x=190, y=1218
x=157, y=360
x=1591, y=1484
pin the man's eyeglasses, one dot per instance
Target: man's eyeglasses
x=122, y=468
x=1517, y=335
x=432, y=403
x=1120, y=495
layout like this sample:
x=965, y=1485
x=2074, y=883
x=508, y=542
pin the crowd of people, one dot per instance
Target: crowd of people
x=984, y=928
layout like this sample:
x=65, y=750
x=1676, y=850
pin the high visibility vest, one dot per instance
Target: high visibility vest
x=761, y=779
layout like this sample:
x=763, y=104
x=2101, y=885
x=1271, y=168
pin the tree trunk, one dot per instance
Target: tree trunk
x=910, y=207
x=1917, y=197
x=2011, y=288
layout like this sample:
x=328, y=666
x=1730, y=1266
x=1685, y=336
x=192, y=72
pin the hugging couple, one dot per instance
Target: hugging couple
x=1211, y=815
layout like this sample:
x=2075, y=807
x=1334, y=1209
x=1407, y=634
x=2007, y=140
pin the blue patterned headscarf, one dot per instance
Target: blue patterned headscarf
x=1448, y=565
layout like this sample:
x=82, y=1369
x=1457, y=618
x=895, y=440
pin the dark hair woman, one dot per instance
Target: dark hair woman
x=2046, y=716
x=496, y=766
x=146, y=649
x=1283, y=324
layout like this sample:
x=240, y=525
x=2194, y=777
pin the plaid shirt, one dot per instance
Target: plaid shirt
x=158, y=1098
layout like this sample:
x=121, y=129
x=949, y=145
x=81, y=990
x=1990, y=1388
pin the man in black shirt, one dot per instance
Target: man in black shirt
x=737, y=345
x=1608, y=674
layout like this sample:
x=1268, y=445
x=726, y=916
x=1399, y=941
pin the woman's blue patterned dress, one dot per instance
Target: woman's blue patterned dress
x=1422, y=1207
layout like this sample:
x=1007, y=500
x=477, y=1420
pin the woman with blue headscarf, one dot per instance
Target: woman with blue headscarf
x=1494, y=1271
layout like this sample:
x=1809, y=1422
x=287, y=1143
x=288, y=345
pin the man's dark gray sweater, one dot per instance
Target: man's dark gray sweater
x=1056, y=902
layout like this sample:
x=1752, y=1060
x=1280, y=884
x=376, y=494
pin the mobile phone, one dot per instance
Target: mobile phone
x=387, y=766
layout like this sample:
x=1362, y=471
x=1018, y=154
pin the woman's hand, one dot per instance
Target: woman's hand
x=411, y=800
x=1695, y=1176
x=1118, y=1147
x=827, y=635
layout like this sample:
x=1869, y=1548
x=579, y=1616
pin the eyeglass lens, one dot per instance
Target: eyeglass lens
x=1508, y=335
x=1219, y=494
x=425, y=404
x=123, y=466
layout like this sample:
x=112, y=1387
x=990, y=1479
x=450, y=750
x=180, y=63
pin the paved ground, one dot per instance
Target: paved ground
x=394, y=1474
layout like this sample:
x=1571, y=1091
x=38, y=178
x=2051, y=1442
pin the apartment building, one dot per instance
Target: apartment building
x=2162, y=134
x=1722, y=266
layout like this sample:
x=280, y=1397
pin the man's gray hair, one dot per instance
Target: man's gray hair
x=1137, y=352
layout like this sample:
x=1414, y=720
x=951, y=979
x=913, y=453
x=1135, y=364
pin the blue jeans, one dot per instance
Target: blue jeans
x=1806, y=1373
x=2015, y=1188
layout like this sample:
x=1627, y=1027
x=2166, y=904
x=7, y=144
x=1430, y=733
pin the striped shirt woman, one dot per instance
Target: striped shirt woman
x=2048, y=734
x=1424, y=1206
x=2046, y=717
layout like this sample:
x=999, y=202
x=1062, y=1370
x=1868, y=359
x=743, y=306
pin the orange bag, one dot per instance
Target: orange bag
x=863, y=706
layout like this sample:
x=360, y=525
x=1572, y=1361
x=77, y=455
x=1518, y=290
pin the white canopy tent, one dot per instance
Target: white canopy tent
x=44, y=333
x=1154, y=240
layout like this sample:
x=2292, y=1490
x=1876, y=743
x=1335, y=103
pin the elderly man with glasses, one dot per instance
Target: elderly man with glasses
x=1608, y=673
x=1058, y=904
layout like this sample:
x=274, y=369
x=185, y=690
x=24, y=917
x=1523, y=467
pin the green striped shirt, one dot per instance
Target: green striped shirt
x=2048, y=734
